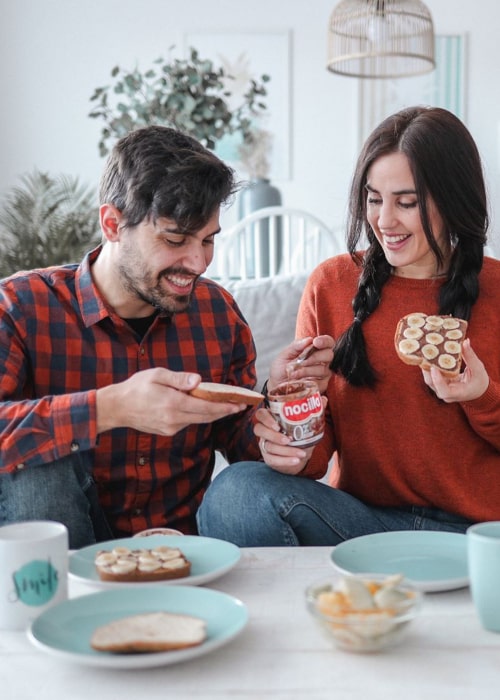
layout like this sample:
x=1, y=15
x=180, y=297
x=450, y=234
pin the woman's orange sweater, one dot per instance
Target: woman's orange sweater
x=397, y=443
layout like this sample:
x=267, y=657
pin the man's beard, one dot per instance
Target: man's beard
x=154, y=294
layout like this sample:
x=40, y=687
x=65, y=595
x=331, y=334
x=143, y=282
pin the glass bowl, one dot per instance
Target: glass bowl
x=364, y=612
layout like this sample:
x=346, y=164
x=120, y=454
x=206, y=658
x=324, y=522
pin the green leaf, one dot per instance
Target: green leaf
x=47, y=221
x=190, y=94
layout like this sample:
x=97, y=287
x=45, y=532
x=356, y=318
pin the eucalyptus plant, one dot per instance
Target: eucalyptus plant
x=192, y=95
x=46, y=221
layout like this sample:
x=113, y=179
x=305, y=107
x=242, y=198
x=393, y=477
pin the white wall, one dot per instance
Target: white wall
x=55, y=52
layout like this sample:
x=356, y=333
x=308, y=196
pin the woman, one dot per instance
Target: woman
x=415, y=450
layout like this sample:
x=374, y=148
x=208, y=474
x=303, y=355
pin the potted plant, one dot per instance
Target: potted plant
x=192, y=95
x=46, y=221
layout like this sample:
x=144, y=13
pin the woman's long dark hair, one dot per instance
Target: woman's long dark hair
x=446, y=166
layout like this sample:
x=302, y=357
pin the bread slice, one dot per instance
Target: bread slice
x=149, y=632
x=125, y=565
x=212, y=391
x=431, y=341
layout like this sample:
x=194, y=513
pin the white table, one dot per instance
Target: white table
x=282, y=654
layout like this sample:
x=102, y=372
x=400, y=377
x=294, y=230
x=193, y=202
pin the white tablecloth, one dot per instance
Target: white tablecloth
x=282, y=654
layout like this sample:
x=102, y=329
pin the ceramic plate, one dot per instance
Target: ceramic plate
x=432, y=561
x=65, y=630
x=209, y=557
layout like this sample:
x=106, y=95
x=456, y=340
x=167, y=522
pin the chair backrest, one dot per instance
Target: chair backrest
x=273, y=240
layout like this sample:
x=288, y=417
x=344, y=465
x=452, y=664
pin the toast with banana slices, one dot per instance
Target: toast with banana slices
x=431, y=341
x=124, y=565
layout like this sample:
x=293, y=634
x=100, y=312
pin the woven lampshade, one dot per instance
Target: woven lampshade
x=380, y=39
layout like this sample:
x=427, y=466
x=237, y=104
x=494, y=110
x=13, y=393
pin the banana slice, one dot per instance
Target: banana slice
x=435, y=321
x=165, y=553
x=454, y=334
x=105, y=559
x=147, y=559
x=149, y=565
x=452, y=347
x=413, y=332
x=447, y=361
x=123, y=566
x=430, y=351
x=176, y=563
x=408, y=346
x=450, y=323
x=434, y=338
x=417, y=320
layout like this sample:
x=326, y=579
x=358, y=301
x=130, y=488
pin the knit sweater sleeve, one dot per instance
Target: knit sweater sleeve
x=483, y=414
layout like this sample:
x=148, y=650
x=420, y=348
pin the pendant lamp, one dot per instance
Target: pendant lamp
x=380, y=39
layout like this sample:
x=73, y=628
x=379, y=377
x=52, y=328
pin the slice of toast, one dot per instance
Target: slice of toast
x=149, y=632
x=125, y=565
x=213, y=391
x=430, y=340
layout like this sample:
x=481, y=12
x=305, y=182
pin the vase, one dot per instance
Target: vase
x=259, y=194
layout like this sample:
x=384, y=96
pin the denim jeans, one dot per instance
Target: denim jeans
x=252, y=505
x=63, y=490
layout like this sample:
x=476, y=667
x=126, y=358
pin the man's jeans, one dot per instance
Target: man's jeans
x=64, y=491
x=252, y=505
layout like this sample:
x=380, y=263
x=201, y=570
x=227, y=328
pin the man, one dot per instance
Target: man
x=96, y=426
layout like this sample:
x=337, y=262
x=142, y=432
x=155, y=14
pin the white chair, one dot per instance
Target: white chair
x=273, y=240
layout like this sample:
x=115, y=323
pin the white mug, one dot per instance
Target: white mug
x=33, y=570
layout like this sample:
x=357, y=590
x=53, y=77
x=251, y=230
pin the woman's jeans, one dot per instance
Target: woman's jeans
x=64, y=491
x=252, y=505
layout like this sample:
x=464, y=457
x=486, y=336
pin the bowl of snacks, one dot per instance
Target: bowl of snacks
x=364, y=612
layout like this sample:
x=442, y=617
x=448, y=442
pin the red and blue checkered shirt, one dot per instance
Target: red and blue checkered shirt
x=60, y=341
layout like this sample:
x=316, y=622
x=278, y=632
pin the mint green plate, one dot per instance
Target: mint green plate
x=210, y=558
x=65, y=630
x=431, y=561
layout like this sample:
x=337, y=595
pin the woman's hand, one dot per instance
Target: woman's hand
x=275, y=446
x=469, y=385
x=315, y=366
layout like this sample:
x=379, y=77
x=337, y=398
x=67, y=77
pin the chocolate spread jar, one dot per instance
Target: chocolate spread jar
x=297, y=408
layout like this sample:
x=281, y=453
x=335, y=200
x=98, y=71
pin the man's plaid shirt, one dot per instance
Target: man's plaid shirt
x=59, y=342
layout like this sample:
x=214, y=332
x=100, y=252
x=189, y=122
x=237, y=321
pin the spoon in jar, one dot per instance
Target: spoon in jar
x=295, y=364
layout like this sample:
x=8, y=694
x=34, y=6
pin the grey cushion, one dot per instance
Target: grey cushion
x=270, y=307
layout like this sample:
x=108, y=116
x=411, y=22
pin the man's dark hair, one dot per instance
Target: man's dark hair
x=156, y=172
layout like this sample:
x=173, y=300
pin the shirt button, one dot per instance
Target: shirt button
x=20, y=466
x=137, y=511
x=74, y=447
x=142, y=461
x=142, y=351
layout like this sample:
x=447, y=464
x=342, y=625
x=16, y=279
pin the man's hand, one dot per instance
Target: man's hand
x=469, y=385
x=156, y=401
